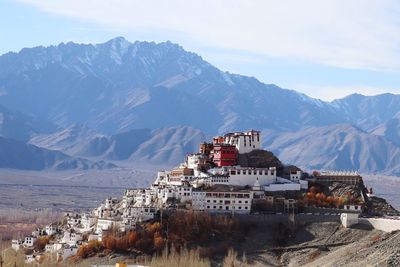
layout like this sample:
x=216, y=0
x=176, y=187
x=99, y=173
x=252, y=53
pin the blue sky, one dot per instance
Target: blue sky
x=325, y=49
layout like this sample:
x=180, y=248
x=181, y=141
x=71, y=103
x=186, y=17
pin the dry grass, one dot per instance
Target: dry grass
x=183, y=259
x=16, y=223
x=13, y=258
x=28, y=216
x=231, y=260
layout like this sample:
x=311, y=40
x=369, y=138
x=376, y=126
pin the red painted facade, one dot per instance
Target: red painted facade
x=224, y=155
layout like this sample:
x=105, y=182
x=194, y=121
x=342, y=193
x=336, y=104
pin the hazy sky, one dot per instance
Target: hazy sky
x=326, y=49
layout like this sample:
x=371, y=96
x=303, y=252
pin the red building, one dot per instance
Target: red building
x=224, y=155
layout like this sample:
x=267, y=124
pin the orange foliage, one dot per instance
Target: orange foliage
x=41, y=242
x=132, y=238
x=179, y=229
x=89, y=249
x=313, y=189
x=159, y=242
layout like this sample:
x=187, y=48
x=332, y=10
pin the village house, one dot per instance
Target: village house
x=53, y=247
x=39, y=232
x=30, y=258
x=29, y=241
x=106, y=224
x=140, y=213
x=71, y=237
x=16, y=244
x=51, y=229
x=87, y=222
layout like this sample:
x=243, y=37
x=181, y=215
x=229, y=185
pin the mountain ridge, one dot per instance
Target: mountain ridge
x=118, y=87
x=18, y=155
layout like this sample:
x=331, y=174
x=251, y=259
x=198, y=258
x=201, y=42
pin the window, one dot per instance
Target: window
x=246, y=208
x=240, y=207
x=208, y=207
x=214, y=201
x=208, y=201
x=214, y=207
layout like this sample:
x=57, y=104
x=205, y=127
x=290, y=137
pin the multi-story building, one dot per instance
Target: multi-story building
x=178, y=175
x=245, y=142
x=29, y=241
x=222, y=199
x=197, y=162
x=224, y=155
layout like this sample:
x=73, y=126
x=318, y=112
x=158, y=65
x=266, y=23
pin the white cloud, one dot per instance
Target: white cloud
x=351, y=34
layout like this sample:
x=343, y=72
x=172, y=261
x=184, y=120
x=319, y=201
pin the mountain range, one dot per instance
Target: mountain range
x=147, y=101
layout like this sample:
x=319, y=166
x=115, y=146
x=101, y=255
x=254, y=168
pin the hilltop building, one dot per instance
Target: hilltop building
x=244, y=142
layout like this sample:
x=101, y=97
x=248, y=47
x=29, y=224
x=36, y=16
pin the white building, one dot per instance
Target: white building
x=295, y=176
x=39, y=232
x=232, y=201
x=51, y=229
x=74, y=220
x=29, y=241
x=53, y=247
x=245, y=142
x=16, y=244
x=30, y=258
x=140, y=214
x=87, y=222
x=184, y=193
x=106, y=224
x=247, y=175
x=217, y=179
x=71, y=238
x=349, y=219
x=194, y=161
x=199, y=200
x=165, y=193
